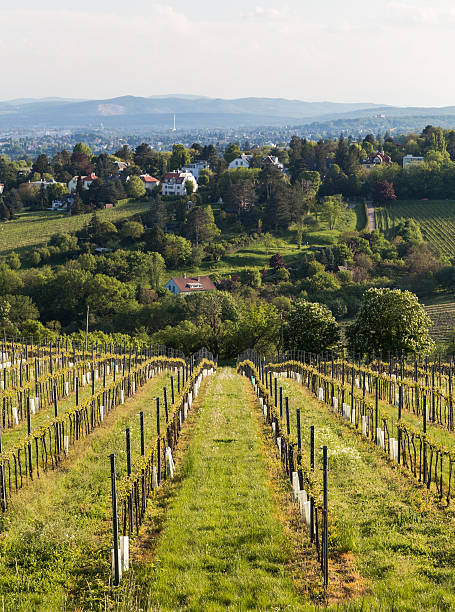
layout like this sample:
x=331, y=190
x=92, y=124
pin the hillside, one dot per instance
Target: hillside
x=436, y=219
x=132, y=112
x=34, y=228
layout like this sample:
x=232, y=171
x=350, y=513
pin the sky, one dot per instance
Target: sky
x=390, y=52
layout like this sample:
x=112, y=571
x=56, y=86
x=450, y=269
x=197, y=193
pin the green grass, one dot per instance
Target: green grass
x=56, y=536
x=403, y=547
x=34, y=228
x=436, y=218
x=222, y=545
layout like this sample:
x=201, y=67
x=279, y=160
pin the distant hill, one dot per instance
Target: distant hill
x=156, y=112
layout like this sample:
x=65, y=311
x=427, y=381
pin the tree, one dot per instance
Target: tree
x=107, y=295
x=135, y=188
x=311, y=327
x=180, y=157
x=251, y=277
x=200, y=225
x=232, y=152
x=5, y=213
x=277, y=261
x=177, y=251
x=14, y=201
x=258, y=327
x=240, y=196
x=391, y=320
x=14, y=262
x=332, y=208
x=157, y=269
x=383, y=192
x=82, y=149
x=132, y=230
x=41, y=164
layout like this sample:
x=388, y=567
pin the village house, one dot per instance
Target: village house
x=40, y=184
x=241, y=162
x=2, y=188
x=378, y=159
x=272, y=160
x=86, y=182
x=411, y=160
x=186, y=285
x=150, y=182
x=174, y=183
x=195, y=168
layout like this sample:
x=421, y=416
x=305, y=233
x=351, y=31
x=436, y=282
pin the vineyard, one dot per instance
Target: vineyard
x=436, y=219
x=35, y=228
x=147, y=479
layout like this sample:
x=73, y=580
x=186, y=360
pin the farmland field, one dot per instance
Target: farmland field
x=436, y=218
x=34, y=228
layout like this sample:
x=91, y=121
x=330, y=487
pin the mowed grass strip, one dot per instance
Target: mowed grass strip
x=222, y=545
x=402, y=546
x=56, y=536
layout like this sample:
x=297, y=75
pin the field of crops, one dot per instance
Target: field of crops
x=436, y=218
x=140, y=481
x=34, y=228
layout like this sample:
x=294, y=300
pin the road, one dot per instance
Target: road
x=371, y=217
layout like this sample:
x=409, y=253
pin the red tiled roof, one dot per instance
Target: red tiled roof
x=185, y=284
x=149, y=179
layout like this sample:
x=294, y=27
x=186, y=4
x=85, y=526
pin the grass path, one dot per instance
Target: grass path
x=403, y=547
x=222, y=545
x=56, y=537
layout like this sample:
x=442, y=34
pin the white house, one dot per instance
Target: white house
x=241, y=162
x=195, y=168
x=86, y=182
x=174, y=183
x=411, y=160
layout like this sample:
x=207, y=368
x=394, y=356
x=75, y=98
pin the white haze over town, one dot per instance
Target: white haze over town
x=394, y=52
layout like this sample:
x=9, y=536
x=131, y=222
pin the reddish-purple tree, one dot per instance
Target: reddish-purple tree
x=384, y=192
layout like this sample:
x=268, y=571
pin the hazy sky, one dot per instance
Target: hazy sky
x=394, y=52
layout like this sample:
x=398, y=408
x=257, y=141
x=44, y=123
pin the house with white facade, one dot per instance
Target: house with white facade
x=174, y=183
x=196, y=167
x=241, y=162
x=86, y=182
x=411, y=160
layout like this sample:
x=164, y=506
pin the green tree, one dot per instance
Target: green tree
x=135, y=188
x=14, y=261
x=332, y=208
x=107, y=295
x=250, y=277
x=83, y=149
x=177, y=251
x=10, y=281
x=232, y=152
x=180, y=157
x=391, y=320
x=157, y=269
x=132, y=230
x=200, y=225
x=311, y=327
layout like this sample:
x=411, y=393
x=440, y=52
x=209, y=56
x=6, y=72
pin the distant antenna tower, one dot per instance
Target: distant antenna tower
x=174, y=129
